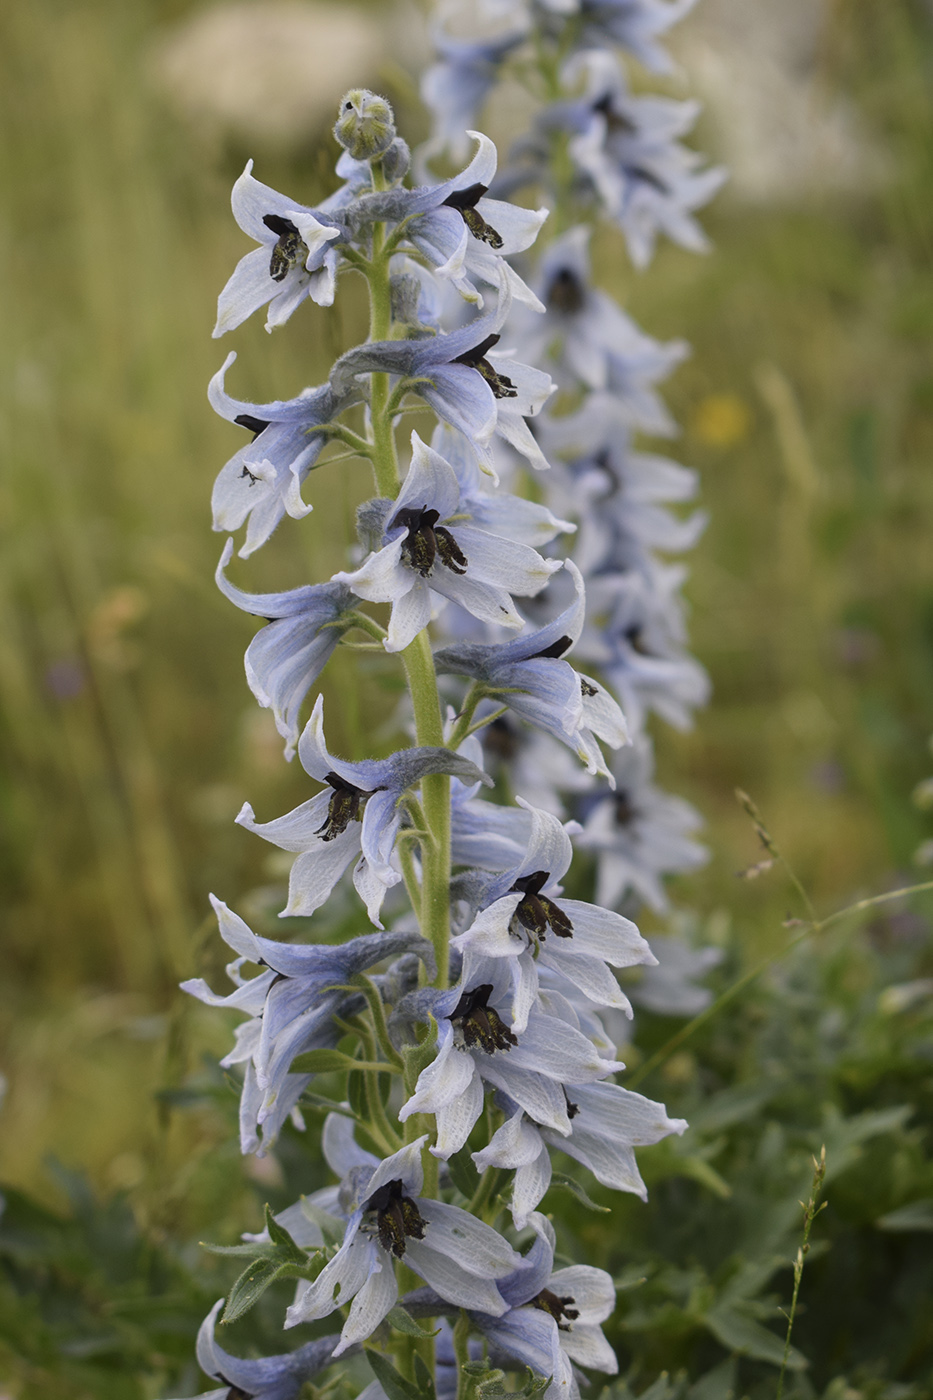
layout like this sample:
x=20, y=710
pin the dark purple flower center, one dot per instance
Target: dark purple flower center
x=397, y=1217
x=616, y=122
x=427, y=541
x=481, y=1026
x=536, y=912
x=255, y=425
x=235, y=1392
x=625, y=812
x=344, y=807
x=556, y=1307
x=288, y=249
x=566, y=292
x=501, y=386
x=554, y=651
x=465, y=202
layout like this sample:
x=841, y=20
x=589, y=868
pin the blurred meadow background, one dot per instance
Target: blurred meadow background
x=129, y=737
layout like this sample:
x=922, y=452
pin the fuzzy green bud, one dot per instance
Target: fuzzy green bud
x=365, y=124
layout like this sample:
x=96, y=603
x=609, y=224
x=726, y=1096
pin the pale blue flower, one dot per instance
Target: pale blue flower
x=268, y=1378
x=286, y=657
x=455, y=87
x=292, y=1005
x=669, y=987
x=627, y=148
x=476, y=1047
x=598, y=345
x=356, y=818
x=465, y=234
x=554, y=1319
x=426, y=551
x=607, y=1123
x=457, y=1256
x=635, y=25
x=617, y=494
x=530, y=675
x=296, y=257
x=638, y=833
x=526, y=922
x=262, y=481
x=455, y=376
x=635, y=636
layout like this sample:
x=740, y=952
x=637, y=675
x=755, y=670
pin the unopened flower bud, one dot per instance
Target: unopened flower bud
x=396, y=160
x=365, y=124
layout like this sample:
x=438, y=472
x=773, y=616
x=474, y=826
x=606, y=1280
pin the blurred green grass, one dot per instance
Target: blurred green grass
x=129, y=736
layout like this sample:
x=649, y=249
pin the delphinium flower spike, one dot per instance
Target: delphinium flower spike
x=473, y=1019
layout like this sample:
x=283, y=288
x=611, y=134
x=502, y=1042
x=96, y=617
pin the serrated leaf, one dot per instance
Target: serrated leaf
x=463, y=1173
x=250, y=1287
x=402, y=1320
x=567, y=1183
x=395, y=1385
x=740, y=1333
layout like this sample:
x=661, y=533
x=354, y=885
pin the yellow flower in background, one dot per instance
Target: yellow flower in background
x=721, y=420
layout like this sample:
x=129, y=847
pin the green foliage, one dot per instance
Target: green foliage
x=89, y=1305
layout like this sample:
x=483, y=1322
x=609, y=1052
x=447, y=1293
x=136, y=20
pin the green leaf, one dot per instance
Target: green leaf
x=395, y=1385
x=356, y=1093
x=567, y=1183
x=918, y=1215
x=701, y=1171
x=288, y=1250
x=250, y=1287
x=740, y=1333
x=424, y=1379
x=463, y=1173
x=403, y=1321
x=241, y=1251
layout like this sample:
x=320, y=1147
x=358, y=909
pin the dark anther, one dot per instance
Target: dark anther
x=536, y=912
x=397, y=1217
x=288, y=248
x=615, y=122
x=566, y=292
x=344, y=807
x=501, y=386
x=572, y=1108
x=555, y=650
x=235, y=1392
x=624, y=812
x=255, y=425
x=635, y=637
x=480, y=1024
x=638, y=172
x=586, y=688
x=246, y=472
x=426, y=540
x=556, y=1307
x=500, y=739
x=465, y=201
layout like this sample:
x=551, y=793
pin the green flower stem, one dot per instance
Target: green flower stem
x=462, y=1354
x=435, y=797
x=384, y=458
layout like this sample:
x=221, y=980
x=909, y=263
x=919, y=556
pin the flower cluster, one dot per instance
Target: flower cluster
x=467, y=1016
